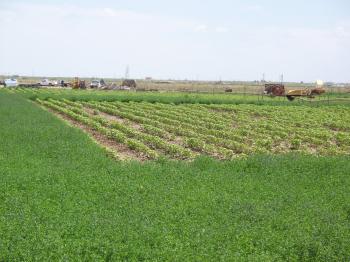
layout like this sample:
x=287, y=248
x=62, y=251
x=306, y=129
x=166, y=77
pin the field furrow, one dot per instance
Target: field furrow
x=220, y=131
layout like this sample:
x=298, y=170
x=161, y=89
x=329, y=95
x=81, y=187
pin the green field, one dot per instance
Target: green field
x=63, y=197
x=220, y=131
x=330, y=98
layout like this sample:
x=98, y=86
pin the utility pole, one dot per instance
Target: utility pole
x=127, y=72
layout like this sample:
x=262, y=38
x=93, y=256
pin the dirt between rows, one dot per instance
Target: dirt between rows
x=175, y=140
x=120, y=150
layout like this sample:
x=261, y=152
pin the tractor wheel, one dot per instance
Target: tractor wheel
x=290, y=98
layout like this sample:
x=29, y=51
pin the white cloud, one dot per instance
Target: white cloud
x=221, y=29
x=201, y=28
x=7, y=16
x=342, y=31
x=254, y=7
x=109, y=12
x=64, y=39
x=208, y=29
x=73, y=36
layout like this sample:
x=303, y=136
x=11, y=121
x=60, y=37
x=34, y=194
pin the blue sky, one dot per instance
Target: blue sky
x=208, y=40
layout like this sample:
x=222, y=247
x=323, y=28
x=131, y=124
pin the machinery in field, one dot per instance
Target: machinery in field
x=279, y=90
x=274, y=89
x=129, y=83
x=292, y=94
x=78, y=84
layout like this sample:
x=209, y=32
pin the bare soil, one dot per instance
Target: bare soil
x=120, y=150
x=173, y=139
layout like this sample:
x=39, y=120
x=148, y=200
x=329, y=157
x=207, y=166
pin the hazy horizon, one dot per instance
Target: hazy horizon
x=58, y=77
x=194, y=40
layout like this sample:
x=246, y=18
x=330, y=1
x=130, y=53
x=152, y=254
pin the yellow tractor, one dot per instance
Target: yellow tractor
x=292, y=94
x=78, y=84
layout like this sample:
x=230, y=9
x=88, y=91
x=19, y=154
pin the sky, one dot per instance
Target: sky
x=183, y=39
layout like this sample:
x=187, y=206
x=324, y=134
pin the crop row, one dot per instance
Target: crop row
x=96, y=125
x=253, y=128
x=205, y=143
x=222, y=131
x=152, y=141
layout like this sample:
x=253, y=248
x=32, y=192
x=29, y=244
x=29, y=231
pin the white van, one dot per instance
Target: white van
x=47, y=82
x=11, y=82
x=97, y=83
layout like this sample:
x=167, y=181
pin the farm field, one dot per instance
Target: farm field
x=220, y=131
x=142, y=130
x=330, y=98
x=126, y=96
x=260, y=182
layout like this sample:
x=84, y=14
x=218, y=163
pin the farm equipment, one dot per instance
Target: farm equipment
x=129, y=83
x=274, y=89
x=78, y=84
x=279, y=90
x=63, y=84
x=310, y=93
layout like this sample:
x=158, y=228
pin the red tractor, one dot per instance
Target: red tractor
x=274, y=89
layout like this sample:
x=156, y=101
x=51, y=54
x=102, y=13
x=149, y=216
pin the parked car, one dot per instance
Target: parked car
x=47, y=82
x=10, y=82
x=97, y=83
